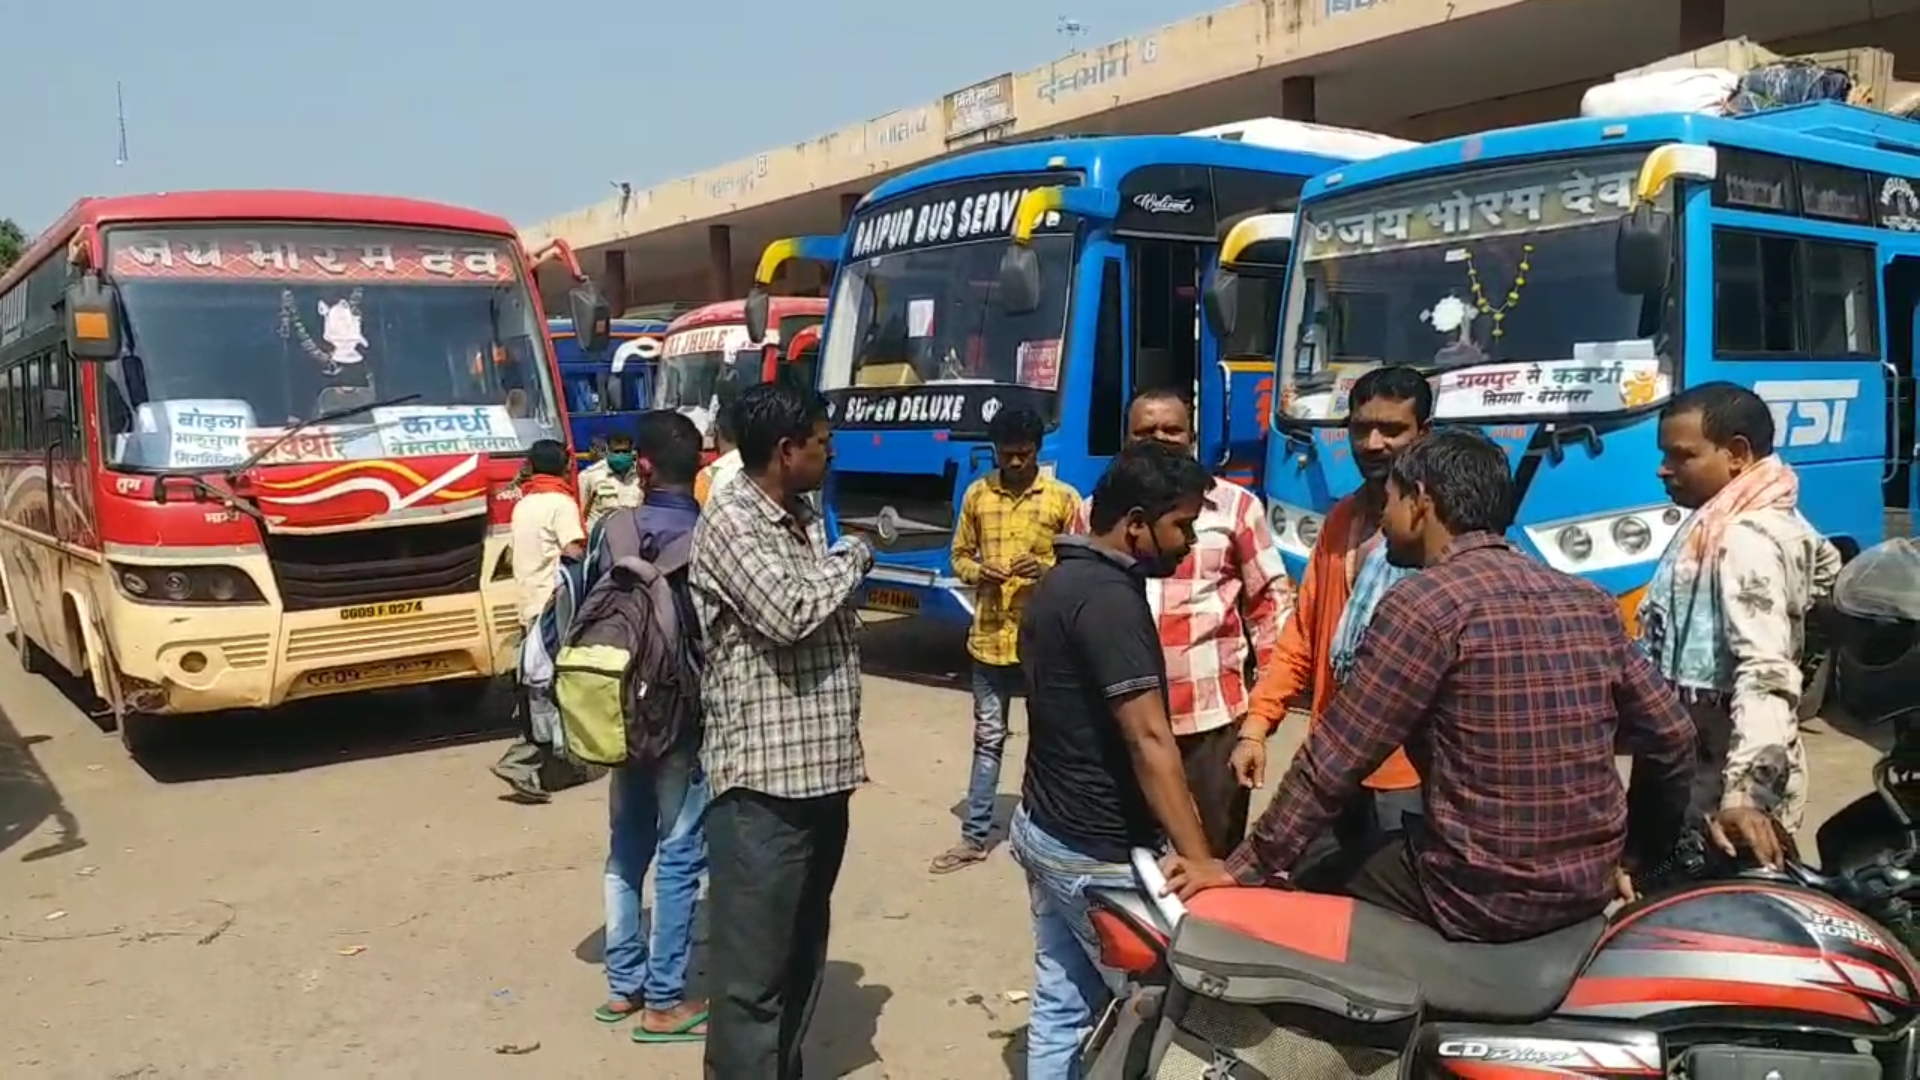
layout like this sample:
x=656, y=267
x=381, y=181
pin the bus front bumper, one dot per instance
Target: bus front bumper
x=905, y=590
x=173, y=660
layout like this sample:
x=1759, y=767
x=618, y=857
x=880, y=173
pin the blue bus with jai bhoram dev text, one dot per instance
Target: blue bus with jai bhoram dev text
x=1561, y=281
x=608, y=393
x=1064, y=275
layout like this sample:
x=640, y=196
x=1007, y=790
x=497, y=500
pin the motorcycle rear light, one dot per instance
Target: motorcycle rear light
x=1124, y=946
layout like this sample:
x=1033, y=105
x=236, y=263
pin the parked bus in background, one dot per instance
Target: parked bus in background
x=1061, y=275
x=260, y=446
x=607, y=393
x=708, y=358
x=1562, y=281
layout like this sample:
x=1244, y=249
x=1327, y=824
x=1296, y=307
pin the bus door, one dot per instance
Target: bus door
x=1164, y=290
x=1900, y=293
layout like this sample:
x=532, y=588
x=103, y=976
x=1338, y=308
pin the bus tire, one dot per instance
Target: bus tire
x=139, y=732
x=34, y=660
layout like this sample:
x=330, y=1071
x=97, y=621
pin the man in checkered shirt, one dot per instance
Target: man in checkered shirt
x=1231, y=589
x=781, y=702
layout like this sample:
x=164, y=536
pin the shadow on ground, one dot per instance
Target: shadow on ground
x=845, y=1022
x=324, y=731
x=29, y=800
x=917, y=651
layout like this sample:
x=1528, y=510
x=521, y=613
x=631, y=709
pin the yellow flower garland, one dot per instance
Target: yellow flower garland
x=1499, y=314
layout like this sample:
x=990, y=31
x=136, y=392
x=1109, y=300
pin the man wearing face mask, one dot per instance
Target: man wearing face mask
x=1103, y=772
x=1229, y=592
x=1510, y=684
x=612, y=483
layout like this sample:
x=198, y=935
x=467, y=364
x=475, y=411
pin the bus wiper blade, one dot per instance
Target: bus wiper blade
x=1557, y=436
x=324, y=418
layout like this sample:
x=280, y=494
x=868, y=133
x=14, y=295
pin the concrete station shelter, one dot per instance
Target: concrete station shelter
x=1420, y=69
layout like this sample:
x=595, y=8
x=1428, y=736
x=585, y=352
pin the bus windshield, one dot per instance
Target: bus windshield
x=933, y=316
x=705, y=367
x=235, y=332
x=1499, y=283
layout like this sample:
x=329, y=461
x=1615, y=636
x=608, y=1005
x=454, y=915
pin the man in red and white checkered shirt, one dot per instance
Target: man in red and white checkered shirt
x=1232, y=587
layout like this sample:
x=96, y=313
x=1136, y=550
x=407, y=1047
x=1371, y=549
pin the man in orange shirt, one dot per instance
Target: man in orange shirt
x=1387, y=410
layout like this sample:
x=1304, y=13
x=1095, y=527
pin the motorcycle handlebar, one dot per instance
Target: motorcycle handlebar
x=1889, y=876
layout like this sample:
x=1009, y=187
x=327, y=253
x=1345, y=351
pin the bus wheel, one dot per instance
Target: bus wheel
x=34, y=660
x=139, y=732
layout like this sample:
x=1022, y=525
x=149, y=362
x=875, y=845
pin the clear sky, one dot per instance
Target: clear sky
x=526, y=110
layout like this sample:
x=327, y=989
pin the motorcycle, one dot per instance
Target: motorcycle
x=1762, y=975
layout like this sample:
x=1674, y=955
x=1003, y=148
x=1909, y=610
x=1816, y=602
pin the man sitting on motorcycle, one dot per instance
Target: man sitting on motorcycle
x=1510, y=684
x=1724, y=618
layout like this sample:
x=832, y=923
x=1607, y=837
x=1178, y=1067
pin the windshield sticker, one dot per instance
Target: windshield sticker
x=1609, y=382
x=1037, y=364
x=906, y=409
x=414, y=430
x=920, y=317
x=224, y=255
x=205, y=432
x=1489, y=203
x=950, y=214
x=728, y=339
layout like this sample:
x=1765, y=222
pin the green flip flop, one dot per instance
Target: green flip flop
x=607, y=1014
x=682, y=1034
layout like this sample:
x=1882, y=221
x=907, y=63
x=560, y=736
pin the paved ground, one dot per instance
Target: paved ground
x=345, y=893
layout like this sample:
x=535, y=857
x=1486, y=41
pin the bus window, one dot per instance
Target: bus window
x=1786, y=295
x=1257, y=320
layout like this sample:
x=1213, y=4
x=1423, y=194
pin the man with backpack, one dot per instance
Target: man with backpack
x=638, y=605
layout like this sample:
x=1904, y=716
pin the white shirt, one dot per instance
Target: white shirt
x=544, y=523
x=722, y=471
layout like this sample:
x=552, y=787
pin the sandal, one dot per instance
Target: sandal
x=616, y=1010
x=959, y=855
x=692, y=1029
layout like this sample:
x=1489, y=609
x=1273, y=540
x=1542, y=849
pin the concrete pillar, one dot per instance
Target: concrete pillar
x=1702, y=23
x=720, y=263
x=613, y=281
x=1297, y=99
x=847, y=202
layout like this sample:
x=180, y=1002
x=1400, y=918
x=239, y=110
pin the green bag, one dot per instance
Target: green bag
x=589, y=686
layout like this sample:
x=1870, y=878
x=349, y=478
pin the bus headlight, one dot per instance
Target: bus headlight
x=1294, y=529
x=186, y=584
x=1632, y=534
x=1575, y=543
x=1309, y=531
x=1600, y=542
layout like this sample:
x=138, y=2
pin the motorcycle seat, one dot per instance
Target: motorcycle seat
x=1511, y=982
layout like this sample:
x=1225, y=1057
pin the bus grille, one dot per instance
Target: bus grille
x=400, y=562
x=922, y=507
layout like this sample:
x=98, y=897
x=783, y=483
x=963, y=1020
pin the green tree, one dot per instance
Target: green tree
x=12, y=243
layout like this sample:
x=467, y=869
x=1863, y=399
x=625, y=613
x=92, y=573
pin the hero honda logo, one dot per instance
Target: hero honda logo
x=1808, y=412
x=1163, y=204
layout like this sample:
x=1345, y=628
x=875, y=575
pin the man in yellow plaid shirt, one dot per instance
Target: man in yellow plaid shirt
x=1002, y=543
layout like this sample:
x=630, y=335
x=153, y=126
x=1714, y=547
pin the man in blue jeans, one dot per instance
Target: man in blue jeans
x=1002, y=543
x=1104, y=772
x=655, y=809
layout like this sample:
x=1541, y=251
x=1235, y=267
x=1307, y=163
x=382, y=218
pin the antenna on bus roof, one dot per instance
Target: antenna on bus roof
x=120, y=100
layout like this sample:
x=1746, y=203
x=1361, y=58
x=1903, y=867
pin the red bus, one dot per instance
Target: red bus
x=707, y=359
x=260, y=446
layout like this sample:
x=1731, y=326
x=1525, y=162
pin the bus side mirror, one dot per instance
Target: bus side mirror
x=92, y=310
x=1019, y=280
x=758, y=301
x=1642, y=252
x=1222, y=302
x=592, y=318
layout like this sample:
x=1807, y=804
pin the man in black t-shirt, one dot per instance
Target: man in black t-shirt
x=1104, y=773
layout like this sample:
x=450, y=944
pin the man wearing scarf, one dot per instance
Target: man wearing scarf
x=1724, y=618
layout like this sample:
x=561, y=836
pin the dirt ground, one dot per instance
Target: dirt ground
x=345, y=892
